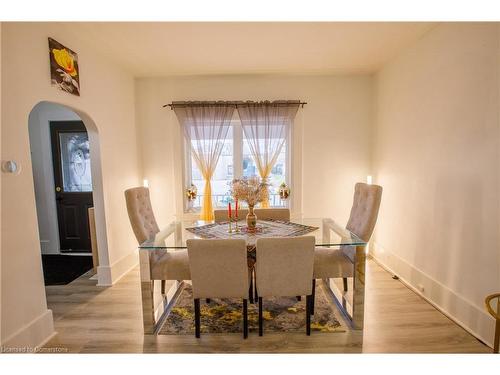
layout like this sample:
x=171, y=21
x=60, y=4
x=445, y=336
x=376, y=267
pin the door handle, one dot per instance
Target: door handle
x=58, y=189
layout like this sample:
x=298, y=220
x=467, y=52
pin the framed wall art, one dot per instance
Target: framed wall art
x=64, y=71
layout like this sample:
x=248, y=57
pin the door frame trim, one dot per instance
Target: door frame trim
x=104, y=275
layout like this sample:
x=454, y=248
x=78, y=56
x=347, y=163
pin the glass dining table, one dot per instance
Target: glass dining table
x=346, y=292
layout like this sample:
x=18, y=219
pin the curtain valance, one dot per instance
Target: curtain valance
x=235, y=103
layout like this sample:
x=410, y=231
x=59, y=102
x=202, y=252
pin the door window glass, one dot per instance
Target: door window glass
x=75, y=162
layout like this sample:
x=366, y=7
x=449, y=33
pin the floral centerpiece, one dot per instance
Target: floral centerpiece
x=252, y=191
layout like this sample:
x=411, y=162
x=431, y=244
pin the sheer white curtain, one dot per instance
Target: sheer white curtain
x=266, y=127
x=205, y=127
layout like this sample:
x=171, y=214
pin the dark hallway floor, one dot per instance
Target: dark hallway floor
x=62, y=269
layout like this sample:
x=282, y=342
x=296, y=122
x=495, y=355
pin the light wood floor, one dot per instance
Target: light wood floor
x=103, y=320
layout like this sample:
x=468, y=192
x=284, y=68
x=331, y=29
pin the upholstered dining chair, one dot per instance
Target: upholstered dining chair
x=495, y=313
x=282, y=214
x=284, y=268
x=273, y=214
x=336, y=263
x=218, y=270
x=167, y=266
x=261, y=213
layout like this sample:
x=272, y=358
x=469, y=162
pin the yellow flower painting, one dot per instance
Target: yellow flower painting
x=64, y=68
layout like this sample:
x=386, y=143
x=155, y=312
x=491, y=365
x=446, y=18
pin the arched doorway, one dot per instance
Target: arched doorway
x=67, y=178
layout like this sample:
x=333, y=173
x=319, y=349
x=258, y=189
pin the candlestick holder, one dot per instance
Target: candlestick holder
x=230, y=230
x=237, y=228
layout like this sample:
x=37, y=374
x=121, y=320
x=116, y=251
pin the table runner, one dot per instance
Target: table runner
x=265, y=228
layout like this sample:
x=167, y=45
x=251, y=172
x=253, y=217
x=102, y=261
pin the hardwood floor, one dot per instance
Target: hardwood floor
x=103, y=320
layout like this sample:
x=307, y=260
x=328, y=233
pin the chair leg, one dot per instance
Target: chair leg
x=256, y=294
x=313, y=296
x=260, y=317
x=197, y=318
x=163, y=282
x=250, y=290
x=308, y=315
x=344, y=279
x=245, y=319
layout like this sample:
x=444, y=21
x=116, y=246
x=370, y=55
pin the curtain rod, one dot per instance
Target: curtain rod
x=235, y=103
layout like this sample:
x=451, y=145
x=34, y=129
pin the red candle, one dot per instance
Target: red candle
x=229, y=210
x=236, y=208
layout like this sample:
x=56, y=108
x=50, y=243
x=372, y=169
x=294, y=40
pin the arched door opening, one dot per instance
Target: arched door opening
x=67, y=184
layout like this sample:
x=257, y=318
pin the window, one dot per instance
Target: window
x=277, y=176
x=220, y=180
x=235, y=161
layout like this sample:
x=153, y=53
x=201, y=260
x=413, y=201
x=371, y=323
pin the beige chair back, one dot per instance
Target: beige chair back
x=364, y=210
x=262, y=214
x=273, y=214
x=284, y=266
x=218, y=268
x=141, y=213
x=221, y=215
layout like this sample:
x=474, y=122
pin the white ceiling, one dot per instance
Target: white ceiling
x=175, y=48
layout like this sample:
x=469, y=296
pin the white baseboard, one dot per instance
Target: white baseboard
x=472, y=318
x=33, y=335
x=109, y=275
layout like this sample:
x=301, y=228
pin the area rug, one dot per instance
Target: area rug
x=283, y=314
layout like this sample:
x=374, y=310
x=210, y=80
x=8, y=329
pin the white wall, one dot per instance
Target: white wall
x=106, y=105
x=436, y=154
x=43, y=171
x=331, y=137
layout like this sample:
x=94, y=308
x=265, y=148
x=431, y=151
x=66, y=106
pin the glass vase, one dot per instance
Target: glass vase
x=251, y=219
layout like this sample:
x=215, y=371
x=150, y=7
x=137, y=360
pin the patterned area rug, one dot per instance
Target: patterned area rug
x=283, y=314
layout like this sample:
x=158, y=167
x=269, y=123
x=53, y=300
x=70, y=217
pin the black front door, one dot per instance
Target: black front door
x=73, y=183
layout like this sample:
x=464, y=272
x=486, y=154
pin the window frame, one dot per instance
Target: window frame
x=238, y=136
